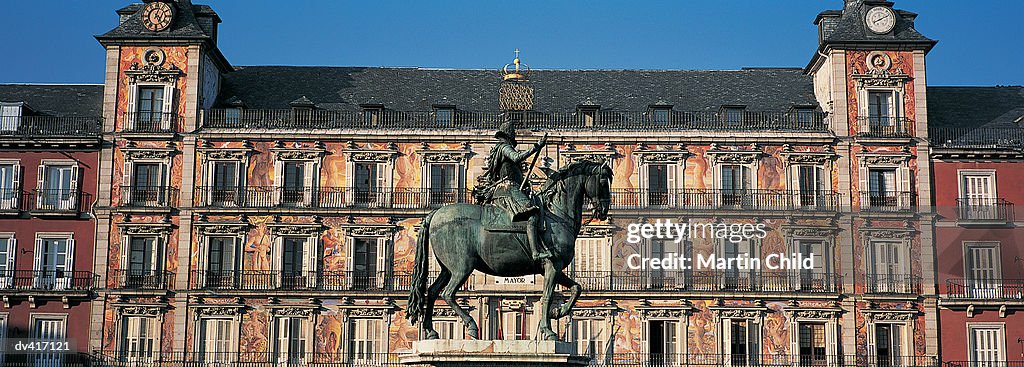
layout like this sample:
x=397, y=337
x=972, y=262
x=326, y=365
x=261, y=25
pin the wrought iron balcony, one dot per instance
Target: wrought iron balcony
x=708, y=199
x=885, y=127
x=47, y=280
x=976, y=137
x=892, y=283
x=42, y=126
x=721, y=281
x=150, y=122
x=886, y=201
x=301, y=280
x=464, y=120
x=11, y=200
x=65, y=201
x=148, y=196
x=141, y=279
x=327, y=197
x=307, y=358
x=984, y=210
x=995, y=289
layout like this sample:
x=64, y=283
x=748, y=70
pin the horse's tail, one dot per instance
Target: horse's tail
x=418, y=289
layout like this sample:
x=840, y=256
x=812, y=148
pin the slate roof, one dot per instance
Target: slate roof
x=418, y=89
x=184, y=25
x=57, y=99
x=966, y=107
x=851, y=27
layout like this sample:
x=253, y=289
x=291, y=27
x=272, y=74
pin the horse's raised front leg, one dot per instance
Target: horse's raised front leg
x=432, y=294
x=566, y=281
x=459, y=278
x=550, y=274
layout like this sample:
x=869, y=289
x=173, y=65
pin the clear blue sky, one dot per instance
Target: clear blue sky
x=980, y=41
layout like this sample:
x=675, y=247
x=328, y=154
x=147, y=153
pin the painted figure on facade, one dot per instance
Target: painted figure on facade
x=494, y=239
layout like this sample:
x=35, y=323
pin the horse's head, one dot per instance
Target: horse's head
x=598, y=188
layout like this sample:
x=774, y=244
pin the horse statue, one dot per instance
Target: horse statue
x=463, y=242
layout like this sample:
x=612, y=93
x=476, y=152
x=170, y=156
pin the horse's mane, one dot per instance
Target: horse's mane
x=583, y=167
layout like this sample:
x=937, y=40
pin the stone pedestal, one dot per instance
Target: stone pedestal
x=493, y=353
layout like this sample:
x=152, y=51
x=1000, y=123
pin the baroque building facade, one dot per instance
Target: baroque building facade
x=266, y=215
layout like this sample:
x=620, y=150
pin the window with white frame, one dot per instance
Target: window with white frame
x=982, y=271
x=741, y=341
x=882, y=187
x=734, y=277
x=10, y=116
x=515, y=322
x=987, y=344
x=10, y=184
x=143, y=262
x=592, y=256
x=216, y=342
x=369, y=178
x=809, y=182
x=3, y=336
x=222, y=261
x=891, y=344
x=882, y=108
x=665, y=341
x=888, y=267
x=297, y=182
x=820, y=277
x=449, y=328
x=8, y=251
x=734, y=181
x=978, y=195
x=291, y=340
x=57, y=186
x=368, y=262
x=151, y=107
x=226, y=181
x=296, y=260
x=366, y=340
x=48, y=328
x=591, y=337
x=139, y=339
x=666, y=278
x=54, y=261
x=661, y=180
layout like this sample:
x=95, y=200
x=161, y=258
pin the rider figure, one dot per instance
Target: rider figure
x=505, y=172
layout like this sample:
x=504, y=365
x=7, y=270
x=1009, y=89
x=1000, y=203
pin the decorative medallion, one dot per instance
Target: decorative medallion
x=879, y=61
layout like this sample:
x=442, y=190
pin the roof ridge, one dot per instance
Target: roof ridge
x=766, y=68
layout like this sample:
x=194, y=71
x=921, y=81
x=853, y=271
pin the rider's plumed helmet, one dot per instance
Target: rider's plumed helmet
x=506, y=131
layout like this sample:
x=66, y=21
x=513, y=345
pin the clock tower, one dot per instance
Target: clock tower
x=162, y=68
x=869, y=75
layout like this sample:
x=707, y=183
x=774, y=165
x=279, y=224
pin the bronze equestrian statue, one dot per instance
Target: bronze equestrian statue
x=510, y=233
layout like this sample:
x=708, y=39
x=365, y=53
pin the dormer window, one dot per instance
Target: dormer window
x=588, y=112
x=10, y=116
x=661, y=112
x=733, y=115
x=804, y=115
x=444, y=115
x=372, y=113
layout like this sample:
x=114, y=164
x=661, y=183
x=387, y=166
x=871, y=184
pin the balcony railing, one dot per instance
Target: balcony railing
x=49, y=126
x=680, y=281
x=884, y=127
x=142, y=279
x=886, y=201
x=60, y=201
x=47, y=280
x=462, y=120
x=352, y=359
x=148, y=196
x=11, y=200
x=301, y=280
x=976, y=137
x=707, y=199
x=327, y=197
x=984, y=210
x=1019, y=363
x=892, y=283
x=996, y=289
x=150, y=122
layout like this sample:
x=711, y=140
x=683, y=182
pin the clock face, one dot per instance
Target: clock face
x=880, y=19
x=157, y=16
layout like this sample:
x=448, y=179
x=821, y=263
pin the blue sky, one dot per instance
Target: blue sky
x=979, y=40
